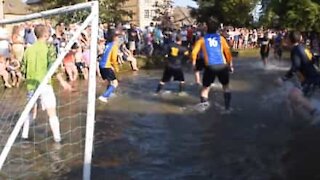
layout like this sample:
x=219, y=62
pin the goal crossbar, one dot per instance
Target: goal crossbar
x=92, y=19
x=48, y=13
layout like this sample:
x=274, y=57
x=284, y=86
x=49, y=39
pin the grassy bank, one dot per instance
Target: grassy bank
x=255, y=53
x=248, y=53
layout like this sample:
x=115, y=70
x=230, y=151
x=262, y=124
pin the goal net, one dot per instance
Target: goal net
x=40, y=157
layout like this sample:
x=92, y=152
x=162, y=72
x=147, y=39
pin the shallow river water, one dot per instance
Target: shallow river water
x=142, y=136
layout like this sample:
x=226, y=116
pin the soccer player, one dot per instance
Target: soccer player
x=108, y=66
x=36, y=62
x=303, y=68
x=264, y=49
x=218, y=62
x=175, y=54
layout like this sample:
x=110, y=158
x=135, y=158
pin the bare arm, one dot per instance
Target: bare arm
x=196, y=51
x=226, y=51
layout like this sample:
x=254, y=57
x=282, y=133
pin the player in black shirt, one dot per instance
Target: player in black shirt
x=175, y=53
x=264, y=49
x=302, y=67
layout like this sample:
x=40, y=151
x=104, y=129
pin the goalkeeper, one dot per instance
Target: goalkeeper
x=36, y=63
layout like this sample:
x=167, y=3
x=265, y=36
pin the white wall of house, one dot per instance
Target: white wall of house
x=146, y=12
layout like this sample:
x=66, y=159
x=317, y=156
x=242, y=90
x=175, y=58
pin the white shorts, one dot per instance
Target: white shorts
x=47, y=98
x=132, y=45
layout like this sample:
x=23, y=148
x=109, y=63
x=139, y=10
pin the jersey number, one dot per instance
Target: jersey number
x=308, y=53
x=174, y=52
x=213, y=42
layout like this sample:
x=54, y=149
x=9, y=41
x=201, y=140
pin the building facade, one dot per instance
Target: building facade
x=143, y=11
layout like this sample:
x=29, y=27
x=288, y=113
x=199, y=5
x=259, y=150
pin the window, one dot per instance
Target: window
x=146, y=14
x=153, y=13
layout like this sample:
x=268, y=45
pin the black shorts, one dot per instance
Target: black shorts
x=264, y=54
x=200, y=65
x=107, y=74
x=80, y=66
x=211, y=72
x=176, y=73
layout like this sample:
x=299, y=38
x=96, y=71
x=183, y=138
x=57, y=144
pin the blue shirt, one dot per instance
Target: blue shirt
x=213, y=49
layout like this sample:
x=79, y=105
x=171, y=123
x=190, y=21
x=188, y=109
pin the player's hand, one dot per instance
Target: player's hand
x=231, y=69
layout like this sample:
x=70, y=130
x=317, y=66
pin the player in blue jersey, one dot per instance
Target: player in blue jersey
x=218, y=62
x=108, y=65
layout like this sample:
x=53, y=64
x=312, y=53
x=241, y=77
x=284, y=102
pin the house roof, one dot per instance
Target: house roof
x=15, y=7
x=183, y=14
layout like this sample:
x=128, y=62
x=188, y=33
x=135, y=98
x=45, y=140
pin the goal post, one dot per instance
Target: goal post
x=91, y=93
x=93, y=20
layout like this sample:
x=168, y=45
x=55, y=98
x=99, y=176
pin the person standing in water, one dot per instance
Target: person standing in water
x=264, y=49
x=303, y=68
x=175, y=54
x=109, y=66
x=37, y=60
x=218, y=62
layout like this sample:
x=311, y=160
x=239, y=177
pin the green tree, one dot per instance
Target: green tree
x=229, y=12
x=110, y=10
x=303, y=15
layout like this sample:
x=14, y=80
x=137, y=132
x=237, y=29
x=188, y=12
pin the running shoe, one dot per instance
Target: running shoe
x=103, y=99
x=201, y=107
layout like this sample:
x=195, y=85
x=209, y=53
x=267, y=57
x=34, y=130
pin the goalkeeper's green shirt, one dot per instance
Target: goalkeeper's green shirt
x=36, y=63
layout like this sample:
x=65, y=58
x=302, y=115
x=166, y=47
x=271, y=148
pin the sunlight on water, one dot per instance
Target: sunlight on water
x=276, y=67
x=272, y=66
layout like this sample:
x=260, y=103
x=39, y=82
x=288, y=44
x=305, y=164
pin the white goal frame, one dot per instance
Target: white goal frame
x=92, y=19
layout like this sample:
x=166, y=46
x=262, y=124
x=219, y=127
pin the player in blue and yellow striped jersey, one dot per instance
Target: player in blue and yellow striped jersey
x=108, y=66
x=218, y=62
